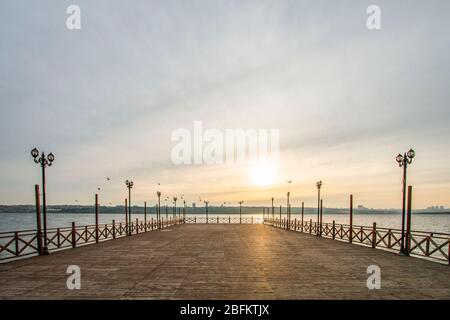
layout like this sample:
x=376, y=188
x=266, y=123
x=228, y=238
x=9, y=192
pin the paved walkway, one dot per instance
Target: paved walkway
x=224, y=262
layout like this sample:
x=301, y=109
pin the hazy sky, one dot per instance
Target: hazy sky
x=105, y=99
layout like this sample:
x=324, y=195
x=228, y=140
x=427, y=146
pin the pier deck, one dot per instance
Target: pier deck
x=224, y=262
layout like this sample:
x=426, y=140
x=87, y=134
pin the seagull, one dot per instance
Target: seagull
x=98, y=188
x=289, y=181
x=159, y=184
x=107, y=178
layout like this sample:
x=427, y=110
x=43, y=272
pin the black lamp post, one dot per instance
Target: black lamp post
x=319, y=185
x=44, y=162
x=403, y=161
x=129, y=185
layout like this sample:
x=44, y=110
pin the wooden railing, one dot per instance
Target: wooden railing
x=431, y=245
x=24, y=243
x=224, y=220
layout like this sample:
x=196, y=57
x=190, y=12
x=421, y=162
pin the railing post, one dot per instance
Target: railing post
x=334, y=229
x=350, y=236
x=295, y=224
x=310, y=226
x=361, y=234
x=195, y=219
x=74, y=244
x=58, y=237
x=96, y=218
x=137, y=226
x=448, y=252
x=229, y=219
x=374, y=235
x=38, y=220
x=16, y=242
x=217, y=219
x=252, y=220
x=114, y=229
x=389, y=238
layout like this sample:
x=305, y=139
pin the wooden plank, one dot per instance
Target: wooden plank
x=224, y=261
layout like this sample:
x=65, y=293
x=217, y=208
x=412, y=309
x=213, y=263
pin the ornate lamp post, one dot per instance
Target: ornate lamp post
x=129, y=185
x=319, y=185
x=44, y=162
x=403, y=161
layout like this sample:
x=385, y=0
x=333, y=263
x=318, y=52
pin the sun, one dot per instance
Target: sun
x=262, y=175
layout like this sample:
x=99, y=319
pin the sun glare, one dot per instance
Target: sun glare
x=262, y=175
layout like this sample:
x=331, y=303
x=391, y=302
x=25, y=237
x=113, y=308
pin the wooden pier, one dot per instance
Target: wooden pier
x=224, y=261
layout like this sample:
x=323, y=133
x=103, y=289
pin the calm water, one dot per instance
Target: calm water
x=420, y=222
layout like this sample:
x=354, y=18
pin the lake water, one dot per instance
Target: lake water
x=420, y=222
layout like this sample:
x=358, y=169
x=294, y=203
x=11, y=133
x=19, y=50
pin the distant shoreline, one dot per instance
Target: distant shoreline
x=71, y=209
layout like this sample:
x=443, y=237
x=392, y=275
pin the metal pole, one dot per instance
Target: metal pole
x=129, y=209
x=145, y=215
x=273, y=210
x=38, y=220
x=321, y=212
x=44, y=204
x=402, y=245
x=96, y=217
x=350, y=236
x=240, y=212
x=303, y=211
x=318, y=207
x=408, y=221
x=158, y=211
x=126, y=216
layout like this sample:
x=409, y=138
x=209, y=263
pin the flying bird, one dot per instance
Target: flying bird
x=107, y=178
x=289, y=181
x=98, y=188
